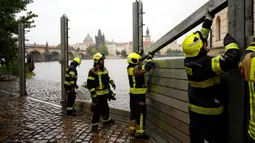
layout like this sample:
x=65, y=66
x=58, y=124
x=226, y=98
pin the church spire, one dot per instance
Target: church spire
x=147, y=37
x=147, y=32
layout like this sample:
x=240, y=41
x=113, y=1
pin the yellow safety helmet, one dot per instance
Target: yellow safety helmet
x=192, y=44
x=133, y=58
x=97, y=57
x=77, y=60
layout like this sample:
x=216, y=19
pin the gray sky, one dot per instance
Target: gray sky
x=113, y=17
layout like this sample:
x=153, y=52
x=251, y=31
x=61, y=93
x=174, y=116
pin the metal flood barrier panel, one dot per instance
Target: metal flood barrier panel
x=167, y=108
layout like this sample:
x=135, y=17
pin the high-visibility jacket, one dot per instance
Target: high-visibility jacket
x=136, y=77
x=204, y=74
x=251, y=102
x=70, y=77
x=98, y=82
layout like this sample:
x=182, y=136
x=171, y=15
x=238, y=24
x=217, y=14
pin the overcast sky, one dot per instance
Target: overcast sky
x=113, y=17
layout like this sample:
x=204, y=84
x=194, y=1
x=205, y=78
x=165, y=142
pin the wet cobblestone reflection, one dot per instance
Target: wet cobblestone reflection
x=24, y=120
x=49, y=91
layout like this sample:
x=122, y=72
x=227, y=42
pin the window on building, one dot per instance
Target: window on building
x=218, y=29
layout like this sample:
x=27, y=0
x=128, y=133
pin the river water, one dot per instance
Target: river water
x=47, y=81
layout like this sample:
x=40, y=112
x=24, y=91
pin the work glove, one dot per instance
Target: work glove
x=111, y=96
x=228, y=39
x=93, y=94
x=150, y=56
x=209, y=16
x=95, y=100
x=112, y=84
x=141, y=52
x=93, y=106
x=70, y=91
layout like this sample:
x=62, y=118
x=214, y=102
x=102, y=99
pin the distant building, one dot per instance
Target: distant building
x=100, y=39
x=88, y=40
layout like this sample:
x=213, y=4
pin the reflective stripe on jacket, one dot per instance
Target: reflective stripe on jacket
x=136, y=77
x=98, y=82
x=70, y=77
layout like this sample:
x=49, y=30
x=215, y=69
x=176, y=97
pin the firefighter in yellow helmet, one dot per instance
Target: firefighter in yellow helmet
x=247, y=69
x=205, y=91
x=98, y=83
x=138, y=89
x=70, y=85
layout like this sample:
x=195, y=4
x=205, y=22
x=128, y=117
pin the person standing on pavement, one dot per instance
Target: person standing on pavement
x=205, y=90
x=98, y=83
x=138, y=89
x=70, y=85
x=247, y=69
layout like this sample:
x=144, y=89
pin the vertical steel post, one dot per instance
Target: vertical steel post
x=135, y=26
x=240, y=27
x=249, y=18
x=22, y=78
x=66, y=41
x=140, y=24
x=64, y=57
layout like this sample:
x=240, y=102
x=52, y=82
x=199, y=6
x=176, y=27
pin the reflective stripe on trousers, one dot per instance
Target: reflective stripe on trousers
x=138, y=90
x=206, y=111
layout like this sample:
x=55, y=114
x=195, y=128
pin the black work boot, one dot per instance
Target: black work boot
x=111, y=121
x=142, y=136
x=95, y=128
x=69, y=112
x=74, y=111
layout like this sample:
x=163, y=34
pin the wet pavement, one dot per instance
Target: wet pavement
x=23, y=119
x=50, y=91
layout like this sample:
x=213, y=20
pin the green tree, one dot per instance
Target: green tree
x=9, y=24
x=117, y=52
x=103, y=49
x=69, y=47
x=91, y=50
x=9, y=27
x=123, y=53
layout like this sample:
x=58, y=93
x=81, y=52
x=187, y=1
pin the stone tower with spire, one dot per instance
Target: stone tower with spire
x=147, y=37
x=100, y=39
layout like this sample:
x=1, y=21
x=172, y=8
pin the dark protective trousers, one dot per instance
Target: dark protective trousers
x=100, y=107
x=211, y=128
x=70, y=99
x=250, y=140
x=138, y=108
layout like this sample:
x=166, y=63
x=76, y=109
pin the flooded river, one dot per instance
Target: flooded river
x=46, y=84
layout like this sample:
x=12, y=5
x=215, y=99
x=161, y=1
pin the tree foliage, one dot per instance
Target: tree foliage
x=117, y=52
x=69, y=47
x=123, y=53
x=9, y=24
x=103, y=49
x=91, y=50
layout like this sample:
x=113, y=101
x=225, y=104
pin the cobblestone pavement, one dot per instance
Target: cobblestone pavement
x=25, y=120
x=50, y=92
